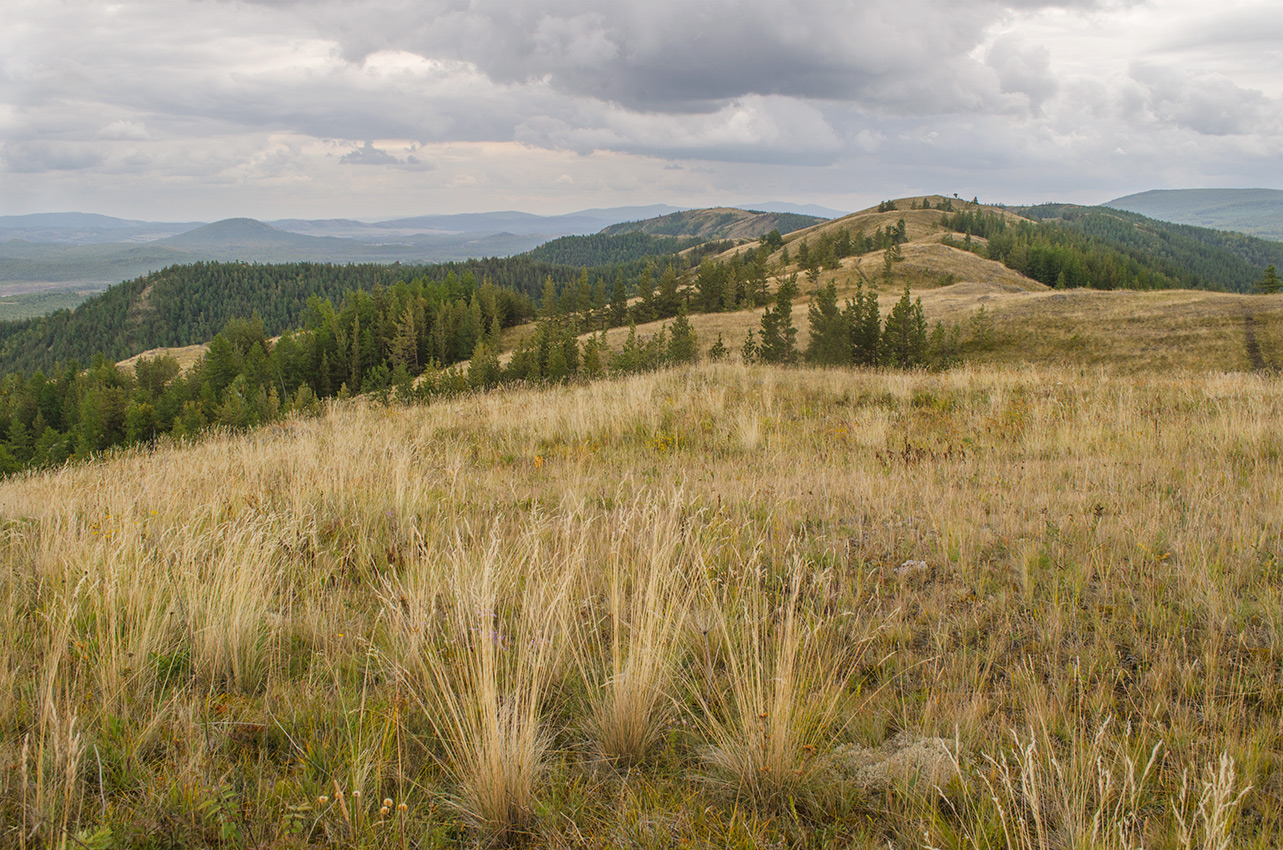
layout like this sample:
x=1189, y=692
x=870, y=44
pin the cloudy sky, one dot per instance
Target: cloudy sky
x=201, y=109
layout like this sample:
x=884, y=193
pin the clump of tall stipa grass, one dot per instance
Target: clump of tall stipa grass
x=783, y=689
x=628, y=661
x=230, y=596
x=476, y=639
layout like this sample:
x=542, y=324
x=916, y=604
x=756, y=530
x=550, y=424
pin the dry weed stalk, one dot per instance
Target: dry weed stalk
x=1213, y=815
x=1089, y=797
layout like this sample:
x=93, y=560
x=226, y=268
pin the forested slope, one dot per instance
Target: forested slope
x=605, y=249
x=1071, y=246
x=186, y=305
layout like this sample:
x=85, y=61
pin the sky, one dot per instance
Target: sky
x=185, y=110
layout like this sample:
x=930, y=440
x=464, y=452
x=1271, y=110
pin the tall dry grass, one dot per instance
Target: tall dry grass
x=463, y=608
x=629, y=653
x=785, y=687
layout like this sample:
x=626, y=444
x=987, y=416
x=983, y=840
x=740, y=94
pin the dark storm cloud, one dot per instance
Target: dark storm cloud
x=368, y=154
x=680, y=56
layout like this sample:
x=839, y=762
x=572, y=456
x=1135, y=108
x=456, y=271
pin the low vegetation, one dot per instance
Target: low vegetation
x=722, y=605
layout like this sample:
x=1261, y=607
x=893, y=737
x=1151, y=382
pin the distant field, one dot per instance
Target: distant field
x=40, y=303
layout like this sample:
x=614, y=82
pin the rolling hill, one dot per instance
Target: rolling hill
x=715, y=223
x=1257, y=212
x=88, y=251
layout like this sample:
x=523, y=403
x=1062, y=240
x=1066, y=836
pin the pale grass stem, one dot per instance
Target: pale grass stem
x=783, y=691
x=483, y=673
x=647, y=598
x=1210, y=825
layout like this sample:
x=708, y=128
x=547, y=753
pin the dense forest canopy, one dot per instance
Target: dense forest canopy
x=1185, y=256
x=187, y=305
x=601, y=249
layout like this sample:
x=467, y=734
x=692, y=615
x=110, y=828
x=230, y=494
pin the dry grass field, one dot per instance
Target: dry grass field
x=723, y=606
x=1123, y=331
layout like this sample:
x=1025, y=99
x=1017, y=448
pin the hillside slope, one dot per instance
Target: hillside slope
x=716, y=223
x=1023, y=320
x=189, y=304
x=919, y=585
x=1257, y=212
x=1191, y=256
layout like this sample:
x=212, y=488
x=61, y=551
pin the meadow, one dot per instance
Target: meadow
x=715, y=606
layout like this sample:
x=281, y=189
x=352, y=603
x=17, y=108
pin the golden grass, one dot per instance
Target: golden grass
x=1122, y=331
x=186, y=355
x=455, y=608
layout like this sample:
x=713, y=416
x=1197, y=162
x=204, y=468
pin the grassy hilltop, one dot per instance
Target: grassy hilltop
x=1029, y=601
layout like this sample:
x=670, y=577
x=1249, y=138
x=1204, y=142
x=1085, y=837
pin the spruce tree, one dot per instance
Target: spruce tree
x=830, y=343
x=905, y=338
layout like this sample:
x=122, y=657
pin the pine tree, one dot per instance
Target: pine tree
x=644, y=310
x=557, y=369
x=548, y=305
x=667, y=300
x=682, y=343
x=592, y=366
x=483, y=368
x=779, y=337
x=618, y=302
x=709, y=281
x=864, y=326
x=830, y=343
x=749, y=351
x=718, y=350
x=405, y=345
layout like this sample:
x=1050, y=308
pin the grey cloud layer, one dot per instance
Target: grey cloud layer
x=231, y=90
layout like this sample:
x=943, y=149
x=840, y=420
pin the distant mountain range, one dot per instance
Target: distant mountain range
x=1256, y=212
x=82, y=250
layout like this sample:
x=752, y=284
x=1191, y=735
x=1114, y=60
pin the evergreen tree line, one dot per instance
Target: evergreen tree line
x=614, y=250
x=187, y=305
x=372, y=342
x=1197, y=257
x=1107, y=249
x=853, y=335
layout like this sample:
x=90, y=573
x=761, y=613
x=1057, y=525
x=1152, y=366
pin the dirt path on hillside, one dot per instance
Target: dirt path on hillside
x=1254, y=354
